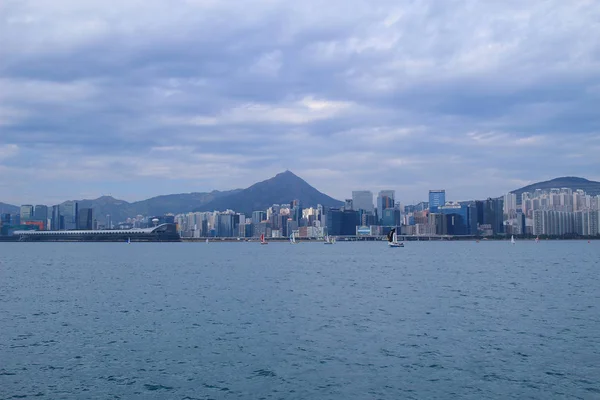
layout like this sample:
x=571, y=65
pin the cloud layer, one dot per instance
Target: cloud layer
x=140, y=98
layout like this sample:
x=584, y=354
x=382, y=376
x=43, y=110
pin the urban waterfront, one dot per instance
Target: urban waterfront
x=353, y=320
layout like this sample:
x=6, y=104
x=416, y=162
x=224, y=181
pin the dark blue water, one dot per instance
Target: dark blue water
x=349, y=321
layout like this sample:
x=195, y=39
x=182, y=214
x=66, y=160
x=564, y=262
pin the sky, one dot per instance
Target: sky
x=139, y=98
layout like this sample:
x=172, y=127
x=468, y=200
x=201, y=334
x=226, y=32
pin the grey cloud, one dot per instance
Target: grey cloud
x=219, y=96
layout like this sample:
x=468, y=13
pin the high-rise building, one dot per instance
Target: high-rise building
x=437, y=198
x=510, y=205
x=57, y=222
x=439, y=221
x=27, y=212
x=86, y=220
x=41, y=214
x=493, y=214
x=385, y=199
x=225, y=225
x=6, y=219
x=363, y=200
x=457, y=218
x=391, y=217
x=76, y=215
x=342, y=222
x=108, y=222
x=258, y=217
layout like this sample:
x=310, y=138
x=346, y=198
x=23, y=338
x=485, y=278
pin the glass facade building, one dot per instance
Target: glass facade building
x=437, y=198
x=342, y=222
x=363, y=200
x=457, y=218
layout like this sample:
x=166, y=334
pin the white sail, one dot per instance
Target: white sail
x=394, y=240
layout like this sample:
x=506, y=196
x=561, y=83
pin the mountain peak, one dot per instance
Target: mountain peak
x=280, y=189
x=286, y=174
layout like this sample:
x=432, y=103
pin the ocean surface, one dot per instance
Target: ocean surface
x=434, y=320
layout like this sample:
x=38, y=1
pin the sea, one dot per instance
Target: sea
x=354, y=320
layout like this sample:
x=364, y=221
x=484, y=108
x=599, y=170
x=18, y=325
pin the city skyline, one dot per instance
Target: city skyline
x=555, y=212
x=145, y=98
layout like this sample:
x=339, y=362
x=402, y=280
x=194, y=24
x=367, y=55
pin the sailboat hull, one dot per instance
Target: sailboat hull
x=391, y=244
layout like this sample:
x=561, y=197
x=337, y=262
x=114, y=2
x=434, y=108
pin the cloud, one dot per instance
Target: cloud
x=476, y=97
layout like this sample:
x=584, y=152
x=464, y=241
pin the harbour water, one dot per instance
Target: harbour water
x=435, y=320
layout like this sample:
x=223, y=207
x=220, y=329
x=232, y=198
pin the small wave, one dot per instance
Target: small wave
x=265, y=373
x=157, y=387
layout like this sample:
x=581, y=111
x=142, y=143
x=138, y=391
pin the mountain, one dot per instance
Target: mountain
x=8, y=209
x=570, y=182
x=281, y=189
x=120, y=210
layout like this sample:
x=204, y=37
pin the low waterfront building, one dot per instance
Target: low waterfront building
x=160, y=233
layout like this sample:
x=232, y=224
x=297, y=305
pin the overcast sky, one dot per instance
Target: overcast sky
x=139, y=98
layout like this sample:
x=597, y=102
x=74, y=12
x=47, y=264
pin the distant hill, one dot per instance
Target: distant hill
x=8, y=209
x=120, y=210
x=281, y=189
x=570, y=182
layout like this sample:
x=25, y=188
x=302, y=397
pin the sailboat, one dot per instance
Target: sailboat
x=206, y=240
x=393, y=239
x=537, y=239
x=128, y=240
x=293, y=239
x=328, y=240
x=262, y=239
x=512, y=239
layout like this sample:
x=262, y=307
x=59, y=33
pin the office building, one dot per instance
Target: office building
x=76, y=214
x=225, y=225
x=5, y=219
x=385, y=199
x=391, y=217
x=437, y=198
x=342, y=222
x=457, y=218
x=27, y=212
x=41, y=214
x=86, y=220
x=493, y=214
x=258, y=217
x=363, y=200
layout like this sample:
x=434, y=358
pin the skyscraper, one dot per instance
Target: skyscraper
x=26, y=212
x=363, y=200
x=41, y=214
x=437, y=198
x=56, y=219
x=85, y=219
x=385, y=199
x=5, y=219
x=76, y=215
x=258, y=217
x=493, y=214
x=342, y=222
